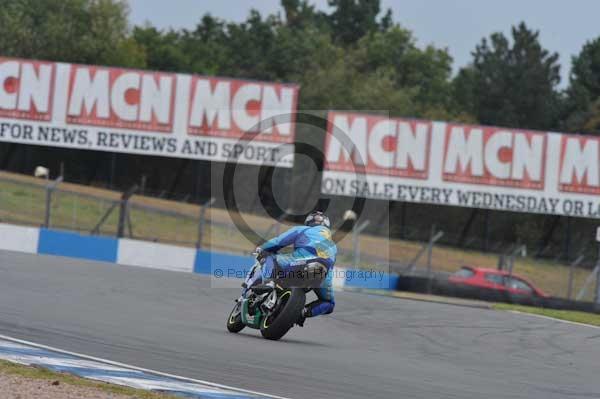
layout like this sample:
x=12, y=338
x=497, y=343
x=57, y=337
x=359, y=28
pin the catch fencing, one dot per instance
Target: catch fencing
x=58, y=205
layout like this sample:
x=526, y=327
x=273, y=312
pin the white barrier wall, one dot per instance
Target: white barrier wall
x=157, y=256
x=339, y=279
x=18, y=238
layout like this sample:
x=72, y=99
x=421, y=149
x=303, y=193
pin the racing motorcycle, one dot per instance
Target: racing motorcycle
x=273, y=302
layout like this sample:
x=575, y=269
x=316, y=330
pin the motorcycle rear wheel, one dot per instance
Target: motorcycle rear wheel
x=234, y=322
x=277, y=324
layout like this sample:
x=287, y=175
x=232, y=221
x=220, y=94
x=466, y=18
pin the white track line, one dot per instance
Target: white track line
x=109, y=362
x=554, y=319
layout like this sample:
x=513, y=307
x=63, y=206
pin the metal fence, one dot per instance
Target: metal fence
x=89, y=211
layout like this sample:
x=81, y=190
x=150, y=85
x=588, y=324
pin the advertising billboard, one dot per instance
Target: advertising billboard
x=146, y=112
x=442, y=163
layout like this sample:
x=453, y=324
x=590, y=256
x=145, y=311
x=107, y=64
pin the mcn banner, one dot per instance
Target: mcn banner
x=143, y=112
x=470, y=166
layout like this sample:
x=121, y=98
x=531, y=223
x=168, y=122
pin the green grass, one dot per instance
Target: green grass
x=26, y=204
x=38, y=373
x=569, y=315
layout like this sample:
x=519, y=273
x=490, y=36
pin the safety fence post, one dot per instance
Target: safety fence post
x=572, y=267
x=427, y=247
x=590, y=278
x=202, y=221
x=50, y=188
x=508, y=258
x=357, y=229
x=597, y=296
x=433, y=238
x=275, y=228
x=124, y=210
x=597, y=270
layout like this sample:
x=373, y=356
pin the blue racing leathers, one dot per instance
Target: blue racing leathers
x=311, y=244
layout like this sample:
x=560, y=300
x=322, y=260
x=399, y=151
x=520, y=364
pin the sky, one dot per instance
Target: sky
x=458, y=25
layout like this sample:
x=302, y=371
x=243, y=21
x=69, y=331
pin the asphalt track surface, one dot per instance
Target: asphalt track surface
x=371, y=347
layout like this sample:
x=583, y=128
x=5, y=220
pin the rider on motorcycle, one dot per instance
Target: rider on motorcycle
x=312, y=243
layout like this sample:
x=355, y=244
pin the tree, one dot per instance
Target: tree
x=425, y=71
x=583, y=94
x=340, y=85
x=164, y=50
x=590, y=121
x=85, y=31
x=382, y=70
x=511, y=84
x=353, y=19
x=300, y=14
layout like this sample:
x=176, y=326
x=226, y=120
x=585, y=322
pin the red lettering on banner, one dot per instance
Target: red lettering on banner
x=26, y=89
x=494, y=156
x=579, y=164
x=383, y=146
x=232, y=108
x=121, y=98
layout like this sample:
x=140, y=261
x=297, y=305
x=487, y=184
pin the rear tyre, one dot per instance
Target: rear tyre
x=288, y=311
x=234, y=322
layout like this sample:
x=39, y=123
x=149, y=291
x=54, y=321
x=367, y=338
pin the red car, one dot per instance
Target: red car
x=499, y=281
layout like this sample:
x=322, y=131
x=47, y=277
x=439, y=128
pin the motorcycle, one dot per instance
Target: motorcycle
x=273, y=302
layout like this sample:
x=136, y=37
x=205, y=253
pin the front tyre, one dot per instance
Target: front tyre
x=234, y=321
x=289, y=308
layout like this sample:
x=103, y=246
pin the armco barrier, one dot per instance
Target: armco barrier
x=19, y=238
x=366, y=279
x=156, y=256
x=221, y=264
x=52, y=242
x=160, y=256
x=170, y=257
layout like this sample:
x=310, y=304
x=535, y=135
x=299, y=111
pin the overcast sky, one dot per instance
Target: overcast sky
x=456, y=24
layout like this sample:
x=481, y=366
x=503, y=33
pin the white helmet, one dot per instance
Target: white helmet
x=317, y=218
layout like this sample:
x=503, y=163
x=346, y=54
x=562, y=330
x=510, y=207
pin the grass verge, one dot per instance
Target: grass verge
x=592, y=319
x=39, y=373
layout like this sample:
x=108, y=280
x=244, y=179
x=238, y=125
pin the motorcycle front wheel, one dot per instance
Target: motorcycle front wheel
x=234, y=322
x=289, y=308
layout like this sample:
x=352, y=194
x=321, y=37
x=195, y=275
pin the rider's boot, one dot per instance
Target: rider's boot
x=305, y=313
